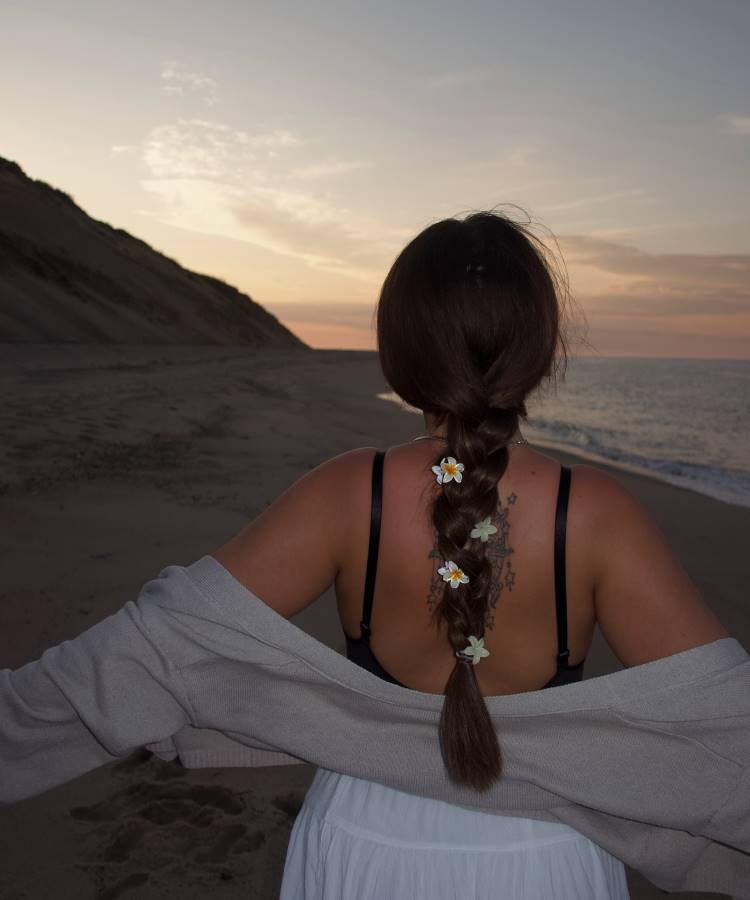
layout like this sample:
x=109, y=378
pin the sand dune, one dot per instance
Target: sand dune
x=66, y=277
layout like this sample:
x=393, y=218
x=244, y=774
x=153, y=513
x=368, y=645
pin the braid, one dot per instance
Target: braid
x=470, y=323
x=468, y=741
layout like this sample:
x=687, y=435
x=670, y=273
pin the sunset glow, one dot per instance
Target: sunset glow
x=292, y=151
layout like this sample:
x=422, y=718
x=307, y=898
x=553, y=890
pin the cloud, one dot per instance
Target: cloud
x=738, y=124
x=324, y=169
x=633, y=282
x=214, y=179
x=328, y=238
x=591, y=201
x=668, y=301
x=198, y=148
x=178, y=80
x=123, y=148
x=521, y=158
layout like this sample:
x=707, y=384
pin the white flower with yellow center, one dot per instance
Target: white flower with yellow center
x=448, y=469
x=483, y=530
x=452, y=574
x=476, y=649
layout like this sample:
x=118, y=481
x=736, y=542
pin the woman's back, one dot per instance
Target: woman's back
x=521, y=630
x=635, y=594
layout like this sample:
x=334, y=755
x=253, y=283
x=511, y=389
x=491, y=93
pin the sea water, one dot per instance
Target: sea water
x=685, y=421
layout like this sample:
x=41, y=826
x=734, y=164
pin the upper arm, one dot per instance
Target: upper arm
x=646, y=604
x=291, y=553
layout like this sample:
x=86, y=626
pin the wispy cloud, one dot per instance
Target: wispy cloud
x=738, y=124
x=521, y=158
x=633, y=282
x=179, y=80
x=215, y=179
x=199, y=148
x=325, y=169
x=592, y=201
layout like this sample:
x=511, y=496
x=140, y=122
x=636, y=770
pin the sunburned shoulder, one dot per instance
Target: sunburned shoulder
x=602, y=494
x=348, y=466
x=355, y=458
x=646, y=604
x=594, y=492
x=597, y=480
x=603, y=513
x=309, y=523
x=598, y=486
x=346, y=475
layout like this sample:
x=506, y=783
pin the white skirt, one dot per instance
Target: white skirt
x=358, y=839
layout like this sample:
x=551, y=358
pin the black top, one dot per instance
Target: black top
x=358, y=649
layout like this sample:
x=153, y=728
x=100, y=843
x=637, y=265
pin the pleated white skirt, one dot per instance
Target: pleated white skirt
x=358, y=839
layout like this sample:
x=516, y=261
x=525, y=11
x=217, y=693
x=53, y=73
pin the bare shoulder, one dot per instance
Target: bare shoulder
x=598, y=489
x=605, y=508
x=345, y=481
x=350, y=471
x=341, y=474
x=646, y=604
x=598, y=499
x=291, y=552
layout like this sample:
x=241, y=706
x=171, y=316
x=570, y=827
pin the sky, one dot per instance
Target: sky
x=293, y=149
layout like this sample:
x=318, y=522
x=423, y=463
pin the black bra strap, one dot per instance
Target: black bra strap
x=372, y=551
x=561, y=605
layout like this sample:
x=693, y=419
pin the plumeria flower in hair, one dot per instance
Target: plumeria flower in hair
x=476, y=649
x=453, y=574
x=448, y=469
x=483, y=530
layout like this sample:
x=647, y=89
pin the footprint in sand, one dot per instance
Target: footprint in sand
x=169, y=832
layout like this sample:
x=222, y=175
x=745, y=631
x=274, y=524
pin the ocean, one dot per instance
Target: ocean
x=685, y=421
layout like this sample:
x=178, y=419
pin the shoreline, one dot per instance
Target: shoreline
x=588, y=456
x=634, y=469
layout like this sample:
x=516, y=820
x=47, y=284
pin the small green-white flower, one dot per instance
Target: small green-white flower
x=452, y=574
x=476, y=649
x=448, y=469
x=483, y=530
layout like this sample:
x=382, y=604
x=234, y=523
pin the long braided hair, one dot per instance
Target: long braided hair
x=468, y=324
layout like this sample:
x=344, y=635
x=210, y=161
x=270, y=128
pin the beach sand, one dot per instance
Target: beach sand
x=117, y=461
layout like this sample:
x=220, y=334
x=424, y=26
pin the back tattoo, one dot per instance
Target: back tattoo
x=498, y=553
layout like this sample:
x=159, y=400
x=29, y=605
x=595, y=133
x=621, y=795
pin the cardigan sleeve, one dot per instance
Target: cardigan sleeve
x=88, y=701
x=730, y=824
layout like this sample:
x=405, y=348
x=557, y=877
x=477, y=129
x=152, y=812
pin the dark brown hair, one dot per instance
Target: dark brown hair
x=468, y=325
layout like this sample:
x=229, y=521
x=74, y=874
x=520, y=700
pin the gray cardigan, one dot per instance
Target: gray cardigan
x=651, y=762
